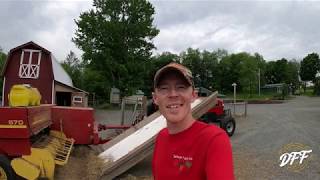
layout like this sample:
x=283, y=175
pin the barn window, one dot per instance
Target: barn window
x=77, y=99
x=30, y=63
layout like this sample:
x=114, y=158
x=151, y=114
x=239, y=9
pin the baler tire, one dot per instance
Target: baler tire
x=6, y=167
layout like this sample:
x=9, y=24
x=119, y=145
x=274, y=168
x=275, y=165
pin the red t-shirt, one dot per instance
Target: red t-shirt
x=200, y=152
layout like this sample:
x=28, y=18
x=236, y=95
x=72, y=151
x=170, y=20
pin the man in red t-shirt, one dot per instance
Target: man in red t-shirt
x=187, y=148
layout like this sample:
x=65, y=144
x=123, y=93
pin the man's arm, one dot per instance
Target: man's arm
x=219, y=163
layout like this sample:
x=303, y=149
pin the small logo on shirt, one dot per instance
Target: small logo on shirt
x=182, y=162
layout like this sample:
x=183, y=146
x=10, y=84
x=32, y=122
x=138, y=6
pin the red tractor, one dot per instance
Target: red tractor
x=220, y=116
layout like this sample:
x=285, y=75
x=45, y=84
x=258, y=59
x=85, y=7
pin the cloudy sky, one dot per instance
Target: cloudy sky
x=274, y=29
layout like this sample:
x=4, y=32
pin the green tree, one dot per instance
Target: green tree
x=283, y=71
x=309, y=67
x=116, y=38
x=270, y=73
x=243, y=69
x=277, y=71
x=204, y=67
x=220, y=54
x=262, y=66
x=192, y=59
x=293, y=75
x=248, y=73
x=95, y=83
x=316, y=90
x=73, y=67
x=210, y=60
x=3, y=57
x=229, y=73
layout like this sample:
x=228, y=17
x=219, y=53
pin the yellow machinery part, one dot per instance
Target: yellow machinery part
x=25, y=169
x=3, y=175
x=36, y=97
x=60, y=146
x=24, y=95
x=40, y=163
x=54, y=149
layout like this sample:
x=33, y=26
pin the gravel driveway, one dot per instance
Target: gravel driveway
x=262, y=136
x=268, y=128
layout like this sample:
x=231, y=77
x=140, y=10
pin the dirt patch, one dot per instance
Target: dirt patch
x=248, y=164
x=83, y=164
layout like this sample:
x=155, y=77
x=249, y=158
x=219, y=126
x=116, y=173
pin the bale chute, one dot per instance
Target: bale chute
x=45, y=154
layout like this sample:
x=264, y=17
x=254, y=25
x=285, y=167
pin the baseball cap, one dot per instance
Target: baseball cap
x=184, y=71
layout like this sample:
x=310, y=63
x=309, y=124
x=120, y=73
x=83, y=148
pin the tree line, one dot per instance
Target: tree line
x=214, y=70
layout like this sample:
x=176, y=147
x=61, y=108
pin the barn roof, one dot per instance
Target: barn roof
x=30, y=43
x=59, y=73
x=72, y=87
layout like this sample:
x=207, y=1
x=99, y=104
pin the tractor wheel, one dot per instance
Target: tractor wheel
x=229, y=125
x=6, y=171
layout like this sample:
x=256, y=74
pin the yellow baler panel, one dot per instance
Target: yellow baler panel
x=25, y=169
x=41, y=159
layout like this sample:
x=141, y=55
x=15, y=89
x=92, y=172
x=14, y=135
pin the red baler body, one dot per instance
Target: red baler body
x=18, y=124
x=75, y=122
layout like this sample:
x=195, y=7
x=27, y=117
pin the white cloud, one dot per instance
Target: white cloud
x=273, y=29
x=48, y=23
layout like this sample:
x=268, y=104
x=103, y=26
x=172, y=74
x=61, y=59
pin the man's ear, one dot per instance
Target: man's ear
x=155, y=98
x=194, y=95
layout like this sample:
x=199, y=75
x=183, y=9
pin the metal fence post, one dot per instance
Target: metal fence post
x=122, y=110
x=245, y=108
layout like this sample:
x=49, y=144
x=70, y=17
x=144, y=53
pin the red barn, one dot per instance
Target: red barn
x=35, y=65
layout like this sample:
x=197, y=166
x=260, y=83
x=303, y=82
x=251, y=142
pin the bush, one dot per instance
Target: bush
x=316, y=90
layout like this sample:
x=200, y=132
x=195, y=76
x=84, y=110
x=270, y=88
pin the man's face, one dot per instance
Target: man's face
x=174, y=97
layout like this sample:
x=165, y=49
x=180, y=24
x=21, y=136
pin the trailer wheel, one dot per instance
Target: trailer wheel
x=6, y=171
x=229, y=125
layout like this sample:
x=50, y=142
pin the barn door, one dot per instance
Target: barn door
x=30, y=63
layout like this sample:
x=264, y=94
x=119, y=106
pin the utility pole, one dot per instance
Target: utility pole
x=259, y=81
x=234, y=97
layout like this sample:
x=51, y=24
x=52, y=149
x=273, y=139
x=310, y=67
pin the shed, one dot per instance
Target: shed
x=32, y=64
x=115, y=97
x=273, y=87
x=203, y=92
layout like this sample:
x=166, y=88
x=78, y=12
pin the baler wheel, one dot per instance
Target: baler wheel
x=6, y=171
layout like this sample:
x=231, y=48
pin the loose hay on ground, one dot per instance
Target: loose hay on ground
x=132, y=177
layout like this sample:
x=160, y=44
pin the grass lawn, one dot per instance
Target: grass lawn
x=309, y=92
x=268, y=96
